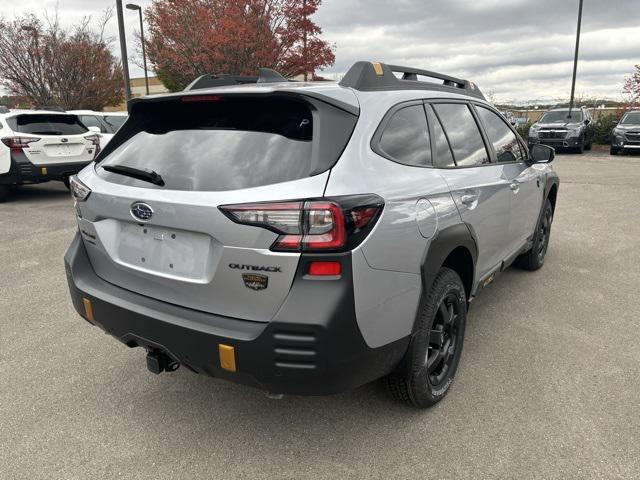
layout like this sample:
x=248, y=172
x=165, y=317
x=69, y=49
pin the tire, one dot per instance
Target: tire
x=588, y=146
x=65, y=180
x=4, y=192
x=613, y=151
x=427, y=372
x=580, y=148
x=534, y=258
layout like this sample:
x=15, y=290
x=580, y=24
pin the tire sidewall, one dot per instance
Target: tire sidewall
x=422, y=392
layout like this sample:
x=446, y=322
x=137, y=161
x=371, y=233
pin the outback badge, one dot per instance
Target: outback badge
x=255, y=281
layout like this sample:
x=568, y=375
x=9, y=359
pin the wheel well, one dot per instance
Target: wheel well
x=552, y=196
x=461, y=261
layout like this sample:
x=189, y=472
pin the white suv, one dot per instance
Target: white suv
x=38, y=146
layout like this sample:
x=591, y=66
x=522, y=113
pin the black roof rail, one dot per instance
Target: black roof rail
x=371, y=76
x=266, y=75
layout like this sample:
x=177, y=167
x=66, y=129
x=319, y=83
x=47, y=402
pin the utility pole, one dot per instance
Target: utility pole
x=123, y=51
x=575, y=58
x=133, y=6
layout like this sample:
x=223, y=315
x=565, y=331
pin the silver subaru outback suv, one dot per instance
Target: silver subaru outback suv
x=307, y=238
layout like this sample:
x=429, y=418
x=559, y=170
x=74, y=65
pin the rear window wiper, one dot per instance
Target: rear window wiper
x=138, y=173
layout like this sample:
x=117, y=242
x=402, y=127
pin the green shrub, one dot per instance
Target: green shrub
x=603, y=127
x=523, y=130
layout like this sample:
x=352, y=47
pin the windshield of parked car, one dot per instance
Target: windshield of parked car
x=46, y=124
x=632, y=118
x=115, y=121
x=561, y=116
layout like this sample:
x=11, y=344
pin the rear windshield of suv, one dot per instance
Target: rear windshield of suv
x=115, y=121
x=46, y=124
x=220, y=144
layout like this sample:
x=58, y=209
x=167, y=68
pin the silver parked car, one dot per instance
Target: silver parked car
x=307, y=238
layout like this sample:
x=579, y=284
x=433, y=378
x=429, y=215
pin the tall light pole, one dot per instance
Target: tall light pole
x=133, y=6
x=575, y=58
x=123, y=51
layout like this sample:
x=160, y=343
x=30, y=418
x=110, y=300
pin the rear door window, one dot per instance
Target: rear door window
x=227, y=143
x=115, y=121
x=46, y=124
x=504, y=141
x=406, y=137
x=463, y=134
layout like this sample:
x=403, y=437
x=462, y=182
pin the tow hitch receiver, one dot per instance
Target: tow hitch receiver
x=158, y=362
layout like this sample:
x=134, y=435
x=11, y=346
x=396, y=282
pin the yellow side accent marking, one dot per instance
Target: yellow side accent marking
x=227, y=357
x=88, y=310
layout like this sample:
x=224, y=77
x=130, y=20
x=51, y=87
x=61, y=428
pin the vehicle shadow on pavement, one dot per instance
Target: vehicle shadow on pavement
x=39, y=192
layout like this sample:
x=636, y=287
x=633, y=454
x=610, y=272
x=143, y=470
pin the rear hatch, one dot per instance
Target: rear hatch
x=163, y=234
x=53, y=138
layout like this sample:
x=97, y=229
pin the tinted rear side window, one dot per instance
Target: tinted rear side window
x=220, y=145
x=46, y=124
x=464, y=136
x=504, y=141
x=91, y=121
x=406, y=137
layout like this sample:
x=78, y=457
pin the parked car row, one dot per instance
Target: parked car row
x=561, y=128
x=41, y=145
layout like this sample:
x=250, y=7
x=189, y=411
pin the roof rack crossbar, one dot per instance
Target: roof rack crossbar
x=379, y=76
x=266, y=75
x=414, y=72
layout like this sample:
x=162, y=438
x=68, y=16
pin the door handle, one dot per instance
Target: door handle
x=515, y=186
x=469, y=198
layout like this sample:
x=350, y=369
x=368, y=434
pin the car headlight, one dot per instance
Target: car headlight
x=618, y=132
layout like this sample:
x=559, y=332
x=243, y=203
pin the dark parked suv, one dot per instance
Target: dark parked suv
x=626, y=135
x=558, y=128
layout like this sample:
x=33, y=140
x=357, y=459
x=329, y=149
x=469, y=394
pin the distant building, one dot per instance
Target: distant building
x=138, y=90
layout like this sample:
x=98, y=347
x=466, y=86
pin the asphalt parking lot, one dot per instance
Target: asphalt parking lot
x=548, y=387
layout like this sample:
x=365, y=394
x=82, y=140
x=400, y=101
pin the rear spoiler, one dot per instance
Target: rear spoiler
x=265, y=75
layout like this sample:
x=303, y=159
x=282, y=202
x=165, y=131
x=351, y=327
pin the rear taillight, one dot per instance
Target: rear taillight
x=95, y=140
x=18, y=143
x=327, y=225
x=79, y=191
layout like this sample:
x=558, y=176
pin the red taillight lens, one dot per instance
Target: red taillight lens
x=18, y=143
x=312, y=225
x=324, y=269
x=95, y=140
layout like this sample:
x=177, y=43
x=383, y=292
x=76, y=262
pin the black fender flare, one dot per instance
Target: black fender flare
x=445, y=242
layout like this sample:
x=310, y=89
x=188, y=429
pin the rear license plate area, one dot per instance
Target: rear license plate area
x=164, y=251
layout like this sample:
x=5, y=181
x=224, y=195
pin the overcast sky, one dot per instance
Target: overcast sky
x=515, y=49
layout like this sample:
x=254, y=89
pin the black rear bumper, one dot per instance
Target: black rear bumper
x=312, y=347
x=23, y=171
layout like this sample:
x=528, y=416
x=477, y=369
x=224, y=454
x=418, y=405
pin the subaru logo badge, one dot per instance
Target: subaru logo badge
x=141, y=211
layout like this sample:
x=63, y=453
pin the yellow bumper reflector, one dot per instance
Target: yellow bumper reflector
x=377, y=68
x=88, y=310
x=43, y=170
x=227, y=357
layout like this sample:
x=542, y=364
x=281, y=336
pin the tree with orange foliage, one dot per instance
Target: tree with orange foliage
x=189, y=38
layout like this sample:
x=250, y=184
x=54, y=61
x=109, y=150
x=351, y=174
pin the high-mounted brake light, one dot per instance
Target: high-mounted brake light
x=18, y=143
x=200, y=98
x=95, y=140
x=313, y=225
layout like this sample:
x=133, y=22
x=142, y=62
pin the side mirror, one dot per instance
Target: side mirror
x=94, y=129
x=587, y=121
x=541, y=154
